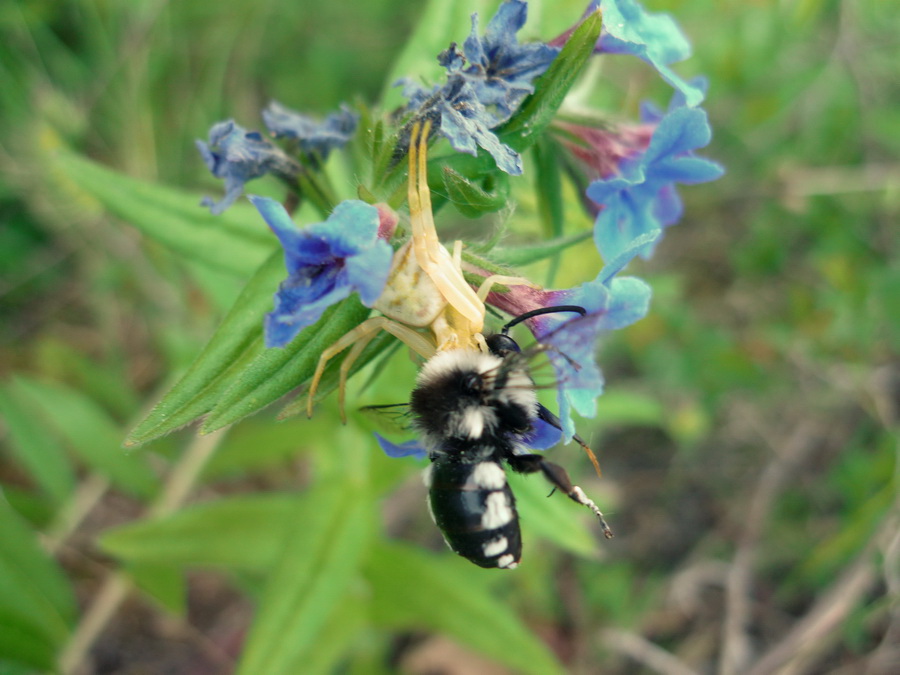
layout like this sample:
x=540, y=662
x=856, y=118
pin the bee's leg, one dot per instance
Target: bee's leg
x=560, y=480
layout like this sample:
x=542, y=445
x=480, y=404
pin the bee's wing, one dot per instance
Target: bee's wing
x=394, y=418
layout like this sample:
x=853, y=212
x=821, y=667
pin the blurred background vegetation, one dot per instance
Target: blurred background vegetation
x=748, y=437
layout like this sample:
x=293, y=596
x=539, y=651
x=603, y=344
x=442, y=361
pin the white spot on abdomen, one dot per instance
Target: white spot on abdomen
x=497, y=511
x=507, y=562
x=489, y=476
x=495, y=547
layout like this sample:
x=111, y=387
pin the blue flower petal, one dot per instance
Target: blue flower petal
x=463, y=122
x=237, y=156
x=486, y=84
x=326, y=262
x=610, y=305
x=408, y=449
x=501, y=70
x=655, y=38
x=315, y=137
x=642, y=197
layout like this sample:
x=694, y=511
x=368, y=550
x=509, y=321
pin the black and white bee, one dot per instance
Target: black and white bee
x=474, y=411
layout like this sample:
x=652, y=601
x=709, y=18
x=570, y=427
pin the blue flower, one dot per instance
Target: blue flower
x=610, y=303
x=314, y=137
x=642, y=197
x=325, y=263
x=501, y=70
x=466, y=124
x=238, y=155
x=655, y=38
x=486, y=83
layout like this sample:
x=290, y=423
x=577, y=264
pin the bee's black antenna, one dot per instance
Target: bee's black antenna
x=543, y=413
x=543, y=310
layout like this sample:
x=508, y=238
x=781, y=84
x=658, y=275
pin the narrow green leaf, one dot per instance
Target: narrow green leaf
x=539, y=109
x=236, y=241
x=23, y=651
x=440, y=23
x=164, y=583
x=346, y=621
x=470, y=198
x=548, y=187
x=37, y=450
x=244, y=533
x=320, y=560
x=238, y=338
x=37, y=607
x=275, y=372
x=556, y=518
x=414, y=590
x=88, y=430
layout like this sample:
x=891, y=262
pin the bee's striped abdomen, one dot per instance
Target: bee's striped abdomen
x=474, y=508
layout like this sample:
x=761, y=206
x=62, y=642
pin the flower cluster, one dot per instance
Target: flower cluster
x=238, y=156
x=486, y=83
x=627, y=172
x=326, y=262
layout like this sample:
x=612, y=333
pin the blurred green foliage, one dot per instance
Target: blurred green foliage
x=749, y=437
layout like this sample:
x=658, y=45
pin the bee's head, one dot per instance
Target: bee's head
x=469, y=395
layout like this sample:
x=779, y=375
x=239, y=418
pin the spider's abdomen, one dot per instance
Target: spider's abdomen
x=475, y=510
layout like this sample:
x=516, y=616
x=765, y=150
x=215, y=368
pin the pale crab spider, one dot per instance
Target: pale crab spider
x=425, y=288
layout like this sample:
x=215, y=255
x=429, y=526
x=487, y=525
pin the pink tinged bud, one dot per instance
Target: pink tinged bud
x=603, y=150
x=387, y=221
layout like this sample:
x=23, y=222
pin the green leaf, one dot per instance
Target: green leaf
x=346, y=621
x=539, y=109
x=414, y=590
x=238, y=340
x=555, y=518
x=275, y=372
x=470, y=198
x=38, y=451
x=441, y=22
x=164, y=583
x=88, y=430
x=321, y=559
x=37, y=607
x=236, y=241
x=237, y=533
x=548, y=187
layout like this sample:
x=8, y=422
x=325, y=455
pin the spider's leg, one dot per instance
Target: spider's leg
x=359, y=337
x=430, y=254
x=363, y=331
x=495, y=279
